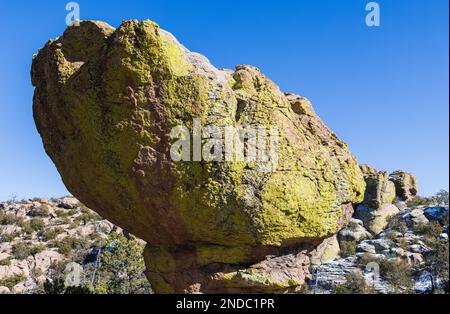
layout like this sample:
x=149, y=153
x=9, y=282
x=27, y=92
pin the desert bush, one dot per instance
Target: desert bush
x=38, y=248
x=398, y=274
x=8, y=237
x=21, y=250
x=87, y=217
x=429, y=230
x=50, y=233
x=40, y=211
x=11, y=281
x=26, y=227
x=348, y=248
x=74, y=224
x=37, y=224
x=397, y=223
x=36, y=272
x=72, y=211
x=61, y=213
x=69, y=244
x=9, y=219
x=355, y=284
x=5, y=261
x=352, y=225
x=420, y=201
x=437, y=262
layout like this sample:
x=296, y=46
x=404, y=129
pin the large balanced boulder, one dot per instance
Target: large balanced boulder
x=106, y=104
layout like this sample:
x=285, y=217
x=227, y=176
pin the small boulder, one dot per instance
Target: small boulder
x=366, y=247
x=376, y=220
x=68, y=202
x=354, y=231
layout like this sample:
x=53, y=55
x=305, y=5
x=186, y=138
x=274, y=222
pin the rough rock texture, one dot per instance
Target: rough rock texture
x=328, y=250
x=196, y=269
x=377, y=206
x=405, y=184
x=105, y=102
x=376, y=220
x=379, y=190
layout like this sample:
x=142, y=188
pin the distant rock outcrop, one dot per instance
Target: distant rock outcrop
x=405, y=184
x=105, y=103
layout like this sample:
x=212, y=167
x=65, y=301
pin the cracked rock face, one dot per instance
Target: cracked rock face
x=405, y=184
x=105, y=103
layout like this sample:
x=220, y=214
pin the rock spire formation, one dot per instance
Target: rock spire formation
x=105, y=103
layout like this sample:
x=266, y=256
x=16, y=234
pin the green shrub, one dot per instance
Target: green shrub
x=348, y=248
x=69, y=244
x=37, y=224
x=9, y=219
x=57, y=286
x=420, y=201
x=87, y=217
x=437, y=262
x=397, y=223
x=8, y=237
x=5, y=261
x=26, y=227
x=429, y=230
x=40, y=211
x=398, y=274
x=38, y=248
x=50, y=233
x=21, y=250
x=72, y=212
x=355, y=284
x=352, y=225
x=10, y=282
x=60, y=213
x=36, y=272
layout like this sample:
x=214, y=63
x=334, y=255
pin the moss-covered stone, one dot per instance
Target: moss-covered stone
x=105, y=102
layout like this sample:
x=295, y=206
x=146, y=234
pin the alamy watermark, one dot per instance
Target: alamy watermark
x=250, y=144
x=373, y=18
x=73, y=17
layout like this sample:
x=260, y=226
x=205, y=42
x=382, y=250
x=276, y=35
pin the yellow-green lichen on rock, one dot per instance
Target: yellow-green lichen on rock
x=105, y=103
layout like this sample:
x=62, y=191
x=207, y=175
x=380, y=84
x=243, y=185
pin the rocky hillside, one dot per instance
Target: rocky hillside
x=409, y=255
x=40, y=237
x=395, y=243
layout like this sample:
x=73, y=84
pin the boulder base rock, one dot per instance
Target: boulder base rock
x=105, y=104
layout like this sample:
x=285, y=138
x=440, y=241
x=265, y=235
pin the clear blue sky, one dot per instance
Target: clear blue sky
x=383, y=90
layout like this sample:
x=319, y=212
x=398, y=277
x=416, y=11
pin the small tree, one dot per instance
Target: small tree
x=442, y=197
x=122, y=266
x=437, y=263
